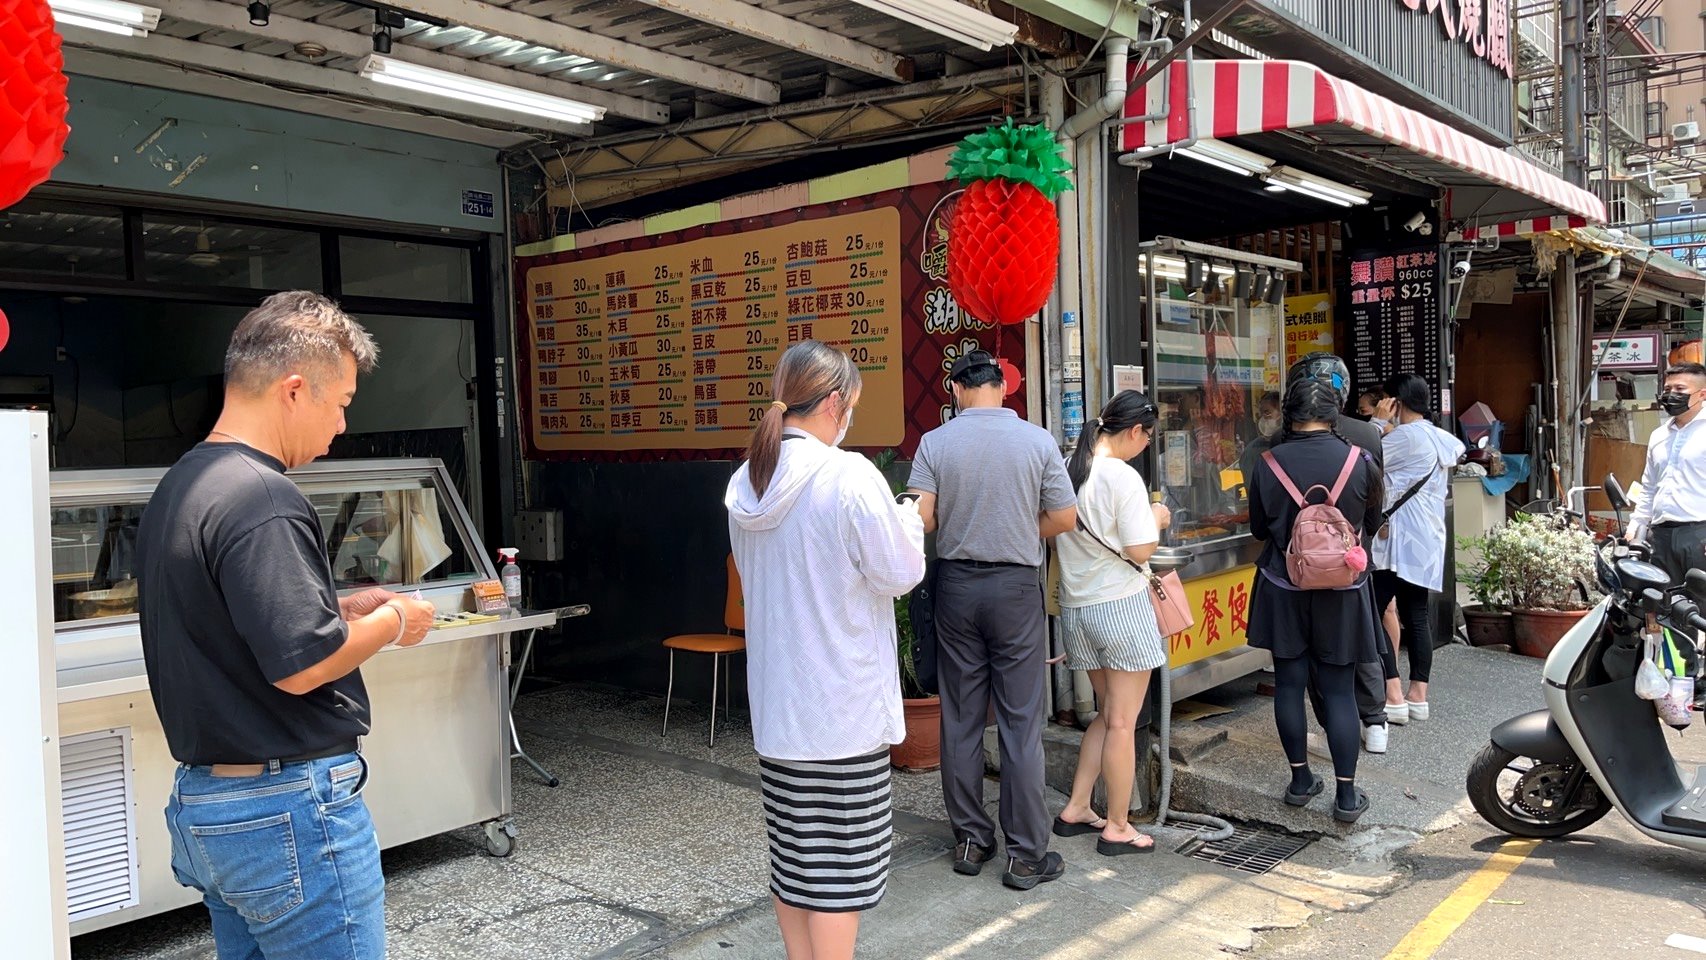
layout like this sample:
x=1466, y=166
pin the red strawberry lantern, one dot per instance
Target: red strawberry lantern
x=32, y=98
x=1004, y=238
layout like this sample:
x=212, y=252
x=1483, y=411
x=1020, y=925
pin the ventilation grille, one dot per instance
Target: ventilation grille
x=1250, y=849
x=100, y=827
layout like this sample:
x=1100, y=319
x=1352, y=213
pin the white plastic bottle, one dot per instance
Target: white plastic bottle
x=511, y=576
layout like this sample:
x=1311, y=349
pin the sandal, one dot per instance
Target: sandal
x=1302, y=799
x=1355, y=813
x=1068, y=828
x=1120, y=848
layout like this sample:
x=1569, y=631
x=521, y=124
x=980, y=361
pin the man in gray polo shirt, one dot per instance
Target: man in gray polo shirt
x=992, y=487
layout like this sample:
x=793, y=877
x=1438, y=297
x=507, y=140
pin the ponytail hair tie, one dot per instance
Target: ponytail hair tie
x=779, y=405
x=1098, y=423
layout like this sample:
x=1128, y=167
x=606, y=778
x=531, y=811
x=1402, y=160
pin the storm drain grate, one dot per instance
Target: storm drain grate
x=1254, y=850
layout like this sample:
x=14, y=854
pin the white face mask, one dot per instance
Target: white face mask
x=844, y=428
x=1268, y=426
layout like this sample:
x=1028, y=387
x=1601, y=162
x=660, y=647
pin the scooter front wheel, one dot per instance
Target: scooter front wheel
x=1525, y=797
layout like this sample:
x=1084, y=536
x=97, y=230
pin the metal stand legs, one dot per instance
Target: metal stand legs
x=717, y=659
x=514, y=738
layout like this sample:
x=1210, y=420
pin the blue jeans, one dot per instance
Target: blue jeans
x=286, y=861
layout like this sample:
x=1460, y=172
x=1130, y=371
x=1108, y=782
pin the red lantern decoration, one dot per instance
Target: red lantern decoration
x=1011, y=378
x=32, y=98
x=1004, y=236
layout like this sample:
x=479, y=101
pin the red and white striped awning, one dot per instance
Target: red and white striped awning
x=1243, y=97
x=1524, y=228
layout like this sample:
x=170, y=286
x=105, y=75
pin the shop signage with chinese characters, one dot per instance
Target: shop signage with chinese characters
x=1627, y=351
x=1394, y=308
x=1221, y=604
x=1308, y=326
x=1483, y=25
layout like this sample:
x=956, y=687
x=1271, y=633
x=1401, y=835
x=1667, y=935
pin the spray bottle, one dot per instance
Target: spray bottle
x=511, y=576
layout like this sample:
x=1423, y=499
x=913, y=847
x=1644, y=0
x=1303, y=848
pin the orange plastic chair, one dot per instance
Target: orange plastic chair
x=718, y=645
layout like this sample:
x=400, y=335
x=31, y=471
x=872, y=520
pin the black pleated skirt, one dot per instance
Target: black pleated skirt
x=830, y=829
x=1333, y=626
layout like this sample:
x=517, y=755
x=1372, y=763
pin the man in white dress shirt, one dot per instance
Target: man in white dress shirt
x=1671, y=516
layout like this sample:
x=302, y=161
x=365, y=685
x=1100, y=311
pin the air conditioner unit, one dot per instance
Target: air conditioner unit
x=1687, y=132
x=1673, y=192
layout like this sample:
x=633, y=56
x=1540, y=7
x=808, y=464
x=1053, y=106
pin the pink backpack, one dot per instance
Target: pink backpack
x=1325, y=552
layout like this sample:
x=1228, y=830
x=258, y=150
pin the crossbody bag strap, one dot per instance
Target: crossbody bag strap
x=1415, y=488
x=1104, y=543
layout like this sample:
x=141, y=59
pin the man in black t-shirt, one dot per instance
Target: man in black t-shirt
x=253, y=658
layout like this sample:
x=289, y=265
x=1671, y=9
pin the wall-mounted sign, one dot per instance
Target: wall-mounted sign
x=1308, y=326
x=1394, y=316
x=478, y=203
x=1627, y=351
x=1483, y=25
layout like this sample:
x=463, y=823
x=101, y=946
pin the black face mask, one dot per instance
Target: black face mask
x=1675, y=403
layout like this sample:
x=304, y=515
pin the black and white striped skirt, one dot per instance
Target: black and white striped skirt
x=830, y=831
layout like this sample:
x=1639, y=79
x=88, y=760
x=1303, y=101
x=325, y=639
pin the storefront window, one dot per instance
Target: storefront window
x=405, y=270
x=194, y=251
x=65, y=240
x=1217, y=383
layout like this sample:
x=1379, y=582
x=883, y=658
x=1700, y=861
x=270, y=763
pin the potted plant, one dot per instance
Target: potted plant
x=1543, y=566
x=1487, y=620
x=921, y=751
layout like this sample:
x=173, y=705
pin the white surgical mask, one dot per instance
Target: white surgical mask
x=1268, y=426
x=844, y=428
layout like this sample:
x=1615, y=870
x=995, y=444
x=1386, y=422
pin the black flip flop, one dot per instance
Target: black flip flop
x=1302, y=799
x=1066, y=828
x=1353, y=815
x=1121, y=848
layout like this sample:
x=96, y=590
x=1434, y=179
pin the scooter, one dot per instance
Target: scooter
x=1597, y=745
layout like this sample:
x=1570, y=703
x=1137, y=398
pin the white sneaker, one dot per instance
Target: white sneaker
x=1399, y=714
x=1374, y=738
x=1418, y=711
x=1317, y=744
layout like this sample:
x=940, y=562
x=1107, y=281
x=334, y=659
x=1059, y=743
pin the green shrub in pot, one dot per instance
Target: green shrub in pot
x=1539, y=563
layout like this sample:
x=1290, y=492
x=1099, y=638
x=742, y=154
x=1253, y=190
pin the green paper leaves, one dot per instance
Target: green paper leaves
x=1025, y=154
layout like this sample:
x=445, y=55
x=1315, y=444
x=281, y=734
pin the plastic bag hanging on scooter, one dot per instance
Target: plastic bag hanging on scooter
x=1673, y=707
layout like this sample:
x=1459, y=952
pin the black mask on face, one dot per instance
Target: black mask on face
x=1676, y=402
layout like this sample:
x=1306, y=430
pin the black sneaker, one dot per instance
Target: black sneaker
x=969, y=858
x=1023, y=876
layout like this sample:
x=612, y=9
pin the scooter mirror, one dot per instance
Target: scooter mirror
x=1696, y=583
x=1614, y=492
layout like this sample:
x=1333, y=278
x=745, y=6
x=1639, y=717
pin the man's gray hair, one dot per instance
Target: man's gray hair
x=294, y=331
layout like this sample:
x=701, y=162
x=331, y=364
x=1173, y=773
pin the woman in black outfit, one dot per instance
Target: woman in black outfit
x=1324, y=632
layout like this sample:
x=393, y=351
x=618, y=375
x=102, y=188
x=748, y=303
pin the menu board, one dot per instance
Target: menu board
x=1395, y=316
x=673, y=347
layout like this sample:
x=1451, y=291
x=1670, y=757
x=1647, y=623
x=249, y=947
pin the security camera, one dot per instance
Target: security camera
x=1416, y=222
x=1460, y=269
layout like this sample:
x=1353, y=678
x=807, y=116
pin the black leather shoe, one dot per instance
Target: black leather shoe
x=969, y=858
x=1023, y=876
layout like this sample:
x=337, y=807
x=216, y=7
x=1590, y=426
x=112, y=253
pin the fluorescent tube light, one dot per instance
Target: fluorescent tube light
x=107, y=16
x=498, y=96
x=951, y=19
x=1227, y=157
x=1320, y=188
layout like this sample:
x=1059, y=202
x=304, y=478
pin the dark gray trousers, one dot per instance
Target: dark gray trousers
x=992, y=637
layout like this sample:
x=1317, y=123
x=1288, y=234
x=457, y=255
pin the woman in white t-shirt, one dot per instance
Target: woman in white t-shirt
x=1109, y=625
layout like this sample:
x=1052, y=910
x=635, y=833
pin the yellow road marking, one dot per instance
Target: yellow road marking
x=1427, y=936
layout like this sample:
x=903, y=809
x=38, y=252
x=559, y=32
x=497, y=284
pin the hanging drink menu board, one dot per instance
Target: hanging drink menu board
x=673, y=346
x=1394, y=309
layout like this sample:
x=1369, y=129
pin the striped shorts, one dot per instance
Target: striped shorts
x=830, y=831
x=1113, y=635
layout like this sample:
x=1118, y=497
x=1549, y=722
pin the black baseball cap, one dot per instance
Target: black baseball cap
x=971, y=361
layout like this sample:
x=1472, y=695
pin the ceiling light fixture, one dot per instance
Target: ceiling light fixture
x=951, y=19
x=498, y=96
x=260, y=12
x=1227, y=157
x=107, y=16
x=1320, y=188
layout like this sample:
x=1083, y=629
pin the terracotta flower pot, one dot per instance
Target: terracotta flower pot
x=1489, y=627
x=921, y=751
x=1536, y=632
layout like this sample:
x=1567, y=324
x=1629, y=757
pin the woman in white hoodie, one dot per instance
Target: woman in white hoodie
x=1409, y=561
x=823, y=551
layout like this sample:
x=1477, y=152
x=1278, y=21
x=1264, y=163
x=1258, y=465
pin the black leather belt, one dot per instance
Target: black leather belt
x=1673, y=524
x=991, y=564
x=335, y=750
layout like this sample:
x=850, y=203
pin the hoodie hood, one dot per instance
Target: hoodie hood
x=1444, y=448
x=799, y=461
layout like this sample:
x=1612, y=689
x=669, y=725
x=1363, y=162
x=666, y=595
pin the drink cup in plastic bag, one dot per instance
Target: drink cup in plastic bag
x=1674, y=706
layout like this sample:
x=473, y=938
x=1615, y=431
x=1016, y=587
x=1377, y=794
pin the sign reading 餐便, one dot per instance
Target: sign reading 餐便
x=673, y=346
x=1221, y=605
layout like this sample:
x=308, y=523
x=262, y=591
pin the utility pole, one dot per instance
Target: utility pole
x=1572, y=89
